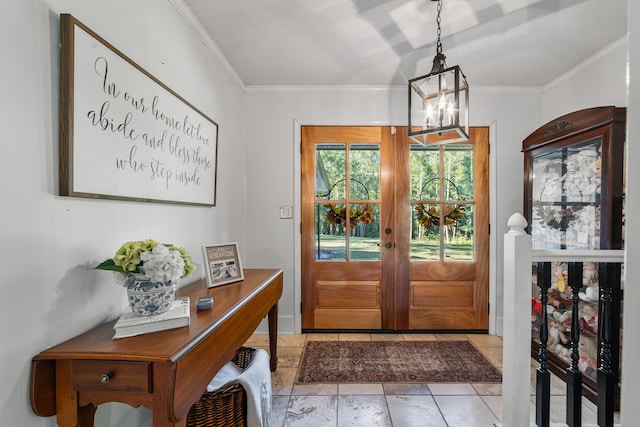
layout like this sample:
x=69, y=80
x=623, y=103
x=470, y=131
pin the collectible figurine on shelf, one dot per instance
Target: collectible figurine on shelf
x=589, y=313
x=535, y=326
x=561, y=316
x=558, y=301
x=590, y=293
x=563, y=352
x=588, y=357
x=589, y=273
x=560, y=284
x=556, y=335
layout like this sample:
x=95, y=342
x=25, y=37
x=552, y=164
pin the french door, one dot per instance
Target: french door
x=394, y=234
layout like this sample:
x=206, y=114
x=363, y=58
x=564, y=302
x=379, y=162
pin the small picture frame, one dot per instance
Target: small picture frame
x=222, y=264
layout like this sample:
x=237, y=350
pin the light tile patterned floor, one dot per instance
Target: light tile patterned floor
x=397, y=405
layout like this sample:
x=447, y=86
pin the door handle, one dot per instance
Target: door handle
x=388, y=245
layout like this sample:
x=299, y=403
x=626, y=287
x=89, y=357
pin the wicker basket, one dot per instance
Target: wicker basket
x=226, y=406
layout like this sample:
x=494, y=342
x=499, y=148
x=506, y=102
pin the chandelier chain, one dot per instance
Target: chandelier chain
x=439, y=44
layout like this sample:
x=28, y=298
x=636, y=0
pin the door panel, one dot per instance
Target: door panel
x=342, y=261
x=451, y=293
x=374, y=255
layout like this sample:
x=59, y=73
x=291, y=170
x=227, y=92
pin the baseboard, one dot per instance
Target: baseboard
x=499, y=326
x=286, y=325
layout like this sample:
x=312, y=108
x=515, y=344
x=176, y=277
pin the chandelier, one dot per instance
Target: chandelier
x=438, y=100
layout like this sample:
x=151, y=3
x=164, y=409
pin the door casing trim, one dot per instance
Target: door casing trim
x=495, y=323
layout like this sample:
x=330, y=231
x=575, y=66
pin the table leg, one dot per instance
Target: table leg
x=68, y=413
x=162, y=375
x=86, y=415
x=273, y=336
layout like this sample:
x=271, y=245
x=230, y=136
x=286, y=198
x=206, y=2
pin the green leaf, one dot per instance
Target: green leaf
x=109, y=265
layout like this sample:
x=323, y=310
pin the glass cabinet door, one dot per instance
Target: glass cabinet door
x=566, y=190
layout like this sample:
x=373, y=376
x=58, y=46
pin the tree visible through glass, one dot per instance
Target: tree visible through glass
x=442, y=202
x=347, y=201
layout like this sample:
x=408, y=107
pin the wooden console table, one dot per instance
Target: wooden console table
x=164, y=371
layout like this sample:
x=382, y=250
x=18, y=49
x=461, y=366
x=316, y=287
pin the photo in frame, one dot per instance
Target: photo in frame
x=222, y=264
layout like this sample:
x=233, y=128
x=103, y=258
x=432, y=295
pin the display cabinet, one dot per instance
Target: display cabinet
x=573, y=199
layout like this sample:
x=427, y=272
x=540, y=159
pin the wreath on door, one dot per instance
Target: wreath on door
x=431, y=216
x=358, y=213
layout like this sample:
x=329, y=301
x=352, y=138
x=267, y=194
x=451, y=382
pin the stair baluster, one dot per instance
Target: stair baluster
x=574, y=376
x=609, y=282
x=543, y=379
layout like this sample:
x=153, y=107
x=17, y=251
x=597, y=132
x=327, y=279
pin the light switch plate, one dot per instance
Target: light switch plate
x=286, y=212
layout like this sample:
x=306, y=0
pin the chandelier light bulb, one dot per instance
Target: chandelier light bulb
x=442, y=102
x=429, y=114
x=450, y=113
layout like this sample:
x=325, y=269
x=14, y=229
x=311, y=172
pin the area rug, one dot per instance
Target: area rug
x=394, y=362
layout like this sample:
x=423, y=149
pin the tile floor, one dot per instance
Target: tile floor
x=398, y=405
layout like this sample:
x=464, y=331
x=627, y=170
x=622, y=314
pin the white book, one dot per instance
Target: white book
x=176, y=317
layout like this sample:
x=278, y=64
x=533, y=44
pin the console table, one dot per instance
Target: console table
x=165, y=371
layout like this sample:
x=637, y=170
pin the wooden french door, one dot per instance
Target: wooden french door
x=394, y=234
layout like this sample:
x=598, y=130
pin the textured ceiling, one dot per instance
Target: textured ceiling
x=386, y=42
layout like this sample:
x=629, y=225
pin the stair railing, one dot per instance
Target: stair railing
x=518, y=259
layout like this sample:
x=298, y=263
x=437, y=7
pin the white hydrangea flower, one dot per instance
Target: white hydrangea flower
x=162, y=264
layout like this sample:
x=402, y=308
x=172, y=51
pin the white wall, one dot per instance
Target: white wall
x=49, y=243
x=598, y=81
x=273, y=116
x=631, y=348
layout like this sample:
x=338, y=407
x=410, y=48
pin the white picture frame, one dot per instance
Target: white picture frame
x=222, y=264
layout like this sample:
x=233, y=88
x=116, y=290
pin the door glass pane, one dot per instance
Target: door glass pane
x=442, y=201
x=365, y=232
x=364, y=171
x=458, y=239
x=331, y=171
x=364, y=185
x=425, y=172
x=347, y=201
x=458, y=172
x=458, y=215
x=425, y=232
x=331, y=239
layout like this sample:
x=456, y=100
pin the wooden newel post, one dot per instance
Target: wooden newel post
x=516, y=358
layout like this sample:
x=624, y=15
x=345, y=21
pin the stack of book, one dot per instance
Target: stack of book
x=130, y=325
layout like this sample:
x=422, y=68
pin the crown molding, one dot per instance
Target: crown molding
x=376, y=89
x=206, y=40
x=621, y=42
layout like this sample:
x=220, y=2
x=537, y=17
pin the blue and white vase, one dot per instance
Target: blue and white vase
x=147, y=298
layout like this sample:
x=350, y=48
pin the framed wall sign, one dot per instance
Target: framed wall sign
x=222, y=264
x=123, y=133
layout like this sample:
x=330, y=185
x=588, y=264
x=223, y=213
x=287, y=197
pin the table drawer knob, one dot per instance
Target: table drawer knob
x=104, y=379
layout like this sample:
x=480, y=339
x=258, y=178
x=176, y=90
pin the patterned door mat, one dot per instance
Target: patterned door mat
x=394, y=362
